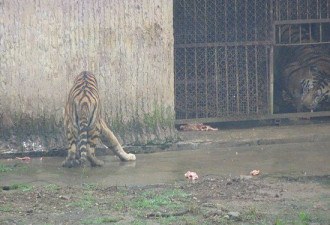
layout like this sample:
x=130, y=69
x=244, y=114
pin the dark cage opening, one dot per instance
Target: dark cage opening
x=227, y=55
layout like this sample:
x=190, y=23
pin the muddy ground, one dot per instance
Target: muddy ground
x=292, y=188
x=209, y=200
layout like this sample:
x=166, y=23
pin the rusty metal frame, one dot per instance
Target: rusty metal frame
x=256, y=117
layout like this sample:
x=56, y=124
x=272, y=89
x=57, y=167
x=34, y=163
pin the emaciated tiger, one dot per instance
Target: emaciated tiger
x=84, y=125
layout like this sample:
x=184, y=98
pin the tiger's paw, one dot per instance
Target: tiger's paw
x=82, y=161
x=96, y=162
x=69, y=163
x=131, y=157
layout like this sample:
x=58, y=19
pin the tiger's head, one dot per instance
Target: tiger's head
x=318, y=91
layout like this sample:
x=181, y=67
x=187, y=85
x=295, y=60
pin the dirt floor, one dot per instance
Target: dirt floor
x=292, y=188
x=209, y=200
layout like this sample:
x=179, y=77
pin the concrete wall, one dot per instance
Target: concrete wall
x=128, y=44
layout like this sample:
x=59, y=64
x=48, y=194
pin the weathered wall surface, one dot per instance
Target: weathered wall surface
x=128, y=44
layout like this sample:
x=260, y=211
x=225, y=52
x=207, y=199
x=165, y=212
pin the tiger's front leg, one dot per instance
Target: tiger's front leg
x=115, y=146
x=72, y=160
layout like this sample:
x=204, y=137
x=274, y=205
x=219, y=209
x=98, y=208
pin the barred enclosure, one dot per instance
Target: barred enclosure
x=224, y=54
x=304, y=27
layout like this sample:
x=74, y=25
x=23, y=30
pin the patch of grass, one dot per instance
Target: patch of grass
x=100, y=220
x=154, y=201
x=183, y=220
x=86, y=202
x=166, y=201
x=21, y=187
x=118, y=205
x=5, y=169
x=139, y=222
x=279, y=222
x=252, y=213
x=6, y=208
x=304, y=218
x=167, y=220
x=53, y=187
x=22, y=167
x=90, y=186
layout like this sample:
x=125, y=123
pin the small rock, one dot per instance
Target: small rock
x=64, y=197
x=208, y=205
x=226, y=217
x=221, y=207
x=245, y=177
x=234, y=214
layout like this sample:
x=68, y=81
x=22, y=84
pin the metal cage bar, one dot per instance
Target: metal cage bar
x=224, y=54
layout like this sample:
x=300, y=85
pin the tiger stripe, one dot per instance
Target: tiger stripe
x=84, y=124
x=295, y=63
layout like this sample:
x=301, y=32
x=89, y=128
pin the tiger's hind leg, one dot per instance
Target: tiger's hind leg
x=72, y=160
x=91, y=156
x=92, y=141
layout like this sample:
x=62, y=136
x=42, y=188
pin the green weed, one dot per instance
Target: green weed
x=21, y=187
x=53, y=187
x=304, y=218
x=6, y=208
x=279, y=222
x=139, y=222
x=5, y=169
x=252, y=214
x=86, y=202
x=118, y=205
x=100, y=220
x=154, y=201
x=90, y=186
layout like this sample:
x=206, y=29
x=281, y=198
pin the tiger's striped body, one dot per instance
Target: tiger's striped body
x=84, y=124
x=316, y=90
x=296, y=61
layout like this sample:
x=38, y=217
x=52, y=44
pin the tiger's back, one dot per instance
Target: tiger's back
x=84, y=125
x=83, y=103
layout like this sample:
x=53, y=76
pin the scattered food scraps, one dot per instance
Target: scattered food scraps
x=254, y=172
x=191, y=175
x=23, y=158
x=197, y=127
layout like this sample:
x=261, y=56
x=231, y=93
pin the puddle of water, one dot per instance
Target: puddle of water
x=167, y=167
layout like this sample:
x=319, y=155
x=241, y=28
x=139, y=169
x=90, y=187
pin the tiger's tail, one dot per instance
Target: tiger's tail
x=83, y=134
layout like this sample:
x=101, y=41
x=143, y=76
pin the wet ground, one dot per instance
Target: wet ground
x=295, y=159
x=293, y=188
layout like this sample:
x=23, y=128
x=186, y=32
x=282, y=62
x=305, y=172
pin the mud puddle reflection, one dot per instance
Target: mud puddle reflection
x=290, y=160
